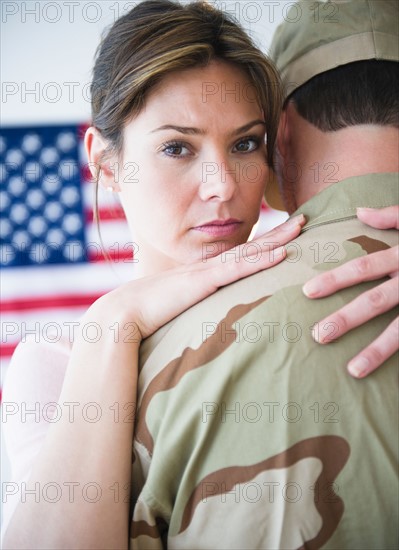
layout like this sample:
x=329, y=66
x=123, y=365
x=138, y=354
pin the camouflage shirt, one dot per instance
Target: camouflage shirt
x=251, y=435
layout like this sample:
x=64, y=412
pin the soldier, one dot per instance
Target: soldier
x=249, y=434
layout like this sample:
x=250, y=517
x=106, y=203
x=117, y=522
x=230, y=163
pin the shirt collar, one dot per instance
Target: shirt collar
x=340, y=200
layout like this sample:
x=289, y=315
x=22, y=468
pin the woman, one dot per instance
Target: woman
x=189, y=161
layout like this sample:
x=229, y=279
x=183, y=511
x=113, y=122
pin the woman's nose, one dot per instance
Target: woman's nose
x=219, y=179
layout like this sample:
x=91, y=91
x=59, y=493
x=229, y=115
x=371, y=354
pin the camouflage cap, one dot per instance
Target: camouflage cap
x=321, y=35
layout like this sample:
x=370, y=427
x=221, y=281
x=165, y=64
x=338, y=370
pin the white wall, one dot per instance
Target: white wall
x=47, y=50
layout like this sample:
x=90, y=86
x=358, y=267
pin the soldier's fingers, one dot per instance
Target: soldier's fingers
x=376, y=353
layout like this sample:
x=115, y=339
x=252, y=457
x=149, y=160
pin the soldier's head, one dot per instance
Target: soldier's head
x=339, y=65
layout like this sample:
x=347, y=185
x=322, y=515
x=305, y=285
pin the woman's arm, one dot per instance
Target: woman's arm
x=89, y=456
x=368, y=305
x=85, y=453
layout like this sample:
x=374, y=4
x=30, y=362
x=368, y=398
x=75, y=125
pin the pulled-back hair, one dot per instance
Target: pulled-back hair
x=363, y=92
x=158, y=37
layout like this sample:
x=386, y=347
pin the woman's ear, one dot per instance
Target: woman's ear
x=100, y=169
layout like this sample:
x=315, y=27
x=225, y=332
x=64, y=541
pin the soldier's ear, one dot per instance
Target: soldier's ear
x=100, y=169
x=283, y=133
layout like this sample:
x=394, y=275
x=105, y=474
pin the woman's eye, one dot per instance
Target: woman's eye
x=175, y=149
x=247, y=145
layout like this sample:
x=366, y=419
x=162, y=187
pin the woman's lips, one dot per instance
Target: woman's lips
x=219, y=228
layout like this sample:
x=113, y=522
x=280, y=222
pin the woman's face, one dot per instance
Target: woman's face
x=194, y=167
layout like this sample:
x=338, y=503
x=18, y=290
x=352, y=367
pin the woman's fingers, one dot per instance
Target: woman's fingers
x=231, y=271
x=275, y=238
x=380, y=218
x=366, y=268
x=255, y=255
x=368, y=305
x=376, y=353
x=280, y=234
x=175, y=290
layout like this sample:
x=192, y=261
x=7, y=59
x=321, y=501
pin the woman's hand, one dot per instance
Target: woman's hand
x=153, y=301
x=368, y=305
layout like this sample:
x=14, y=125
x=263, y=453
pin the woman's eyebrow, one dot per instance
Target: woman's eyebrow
x=197, y=131
x=248, y=126
x=181, y=129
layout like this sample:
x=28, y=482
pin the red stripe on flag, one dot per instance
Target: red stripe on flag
x=119, y=254
x=6, y=350
x=49, y=302
x=106, y=214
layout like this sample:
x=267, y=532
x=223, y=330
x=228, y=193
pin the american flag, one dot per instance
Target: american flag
x=53, y=265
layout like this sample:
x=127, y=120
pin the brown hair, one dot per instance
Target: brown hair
x=363, y=92
x=158, y=37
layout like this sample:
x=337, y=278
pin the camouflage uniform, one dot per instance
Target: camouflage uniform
x=251, y=435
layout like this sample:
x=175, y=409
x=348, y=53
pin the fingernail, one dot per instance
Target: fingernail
x=294, y=222
x=315, y=333
x=359, y=367
x=364, y=208
x=279, y=252
x=312, y=288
